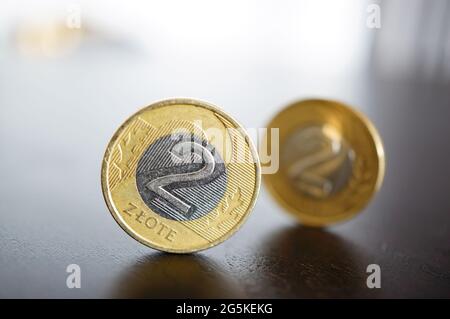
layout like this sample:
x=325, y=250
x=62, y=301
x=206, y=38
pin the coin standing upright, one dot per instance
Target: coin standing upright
x=180, y=176
x=331, y=161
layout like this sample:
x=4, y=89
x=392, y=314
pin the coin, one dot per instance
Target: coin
x=180, y=176
x=331, y=161
x=52, y=38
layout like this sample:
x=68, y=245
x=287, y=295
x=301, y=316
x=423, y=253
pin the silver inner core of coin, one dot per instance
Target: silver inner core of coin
x=181, y=177
x=317, y=161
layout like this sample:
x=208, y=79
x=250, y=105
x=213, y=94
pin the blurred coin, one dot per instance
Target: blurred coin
x=331, y=161
x=180, y=176
x=52, y=38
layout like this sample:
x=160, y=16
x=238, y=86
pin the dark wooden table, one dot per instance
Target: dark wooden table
x=56, y=117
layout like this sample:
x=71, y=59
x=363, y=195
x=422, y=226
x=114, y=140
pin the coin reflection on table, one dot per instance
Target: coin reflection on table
x=331, y=161
x=163, y=275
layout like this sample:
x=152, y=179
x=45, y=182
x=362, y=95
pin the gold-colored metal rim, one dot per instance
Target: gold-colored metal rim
x=163, y=103
x=309, y=218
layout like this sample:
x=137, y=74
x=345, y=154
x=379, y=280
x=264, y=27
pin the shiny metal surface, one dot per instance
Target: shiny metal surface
x=319, y=161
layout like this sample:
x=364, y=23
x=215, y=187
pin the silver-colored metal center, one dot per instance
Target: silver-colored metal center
x=317, y=161
x=181, y=177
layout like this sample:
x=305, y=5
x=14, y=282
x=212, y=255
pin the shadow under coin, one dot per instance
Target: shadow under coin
x=312, y=263
x=162, y=275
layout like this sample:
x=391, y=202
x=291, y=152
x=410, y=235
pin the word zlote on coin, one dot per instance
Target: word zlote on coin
x=180, y=176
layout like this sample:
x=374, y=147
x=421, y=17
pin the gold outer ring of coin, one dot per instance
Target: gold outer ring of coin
x=330, y=136
x=152, y=124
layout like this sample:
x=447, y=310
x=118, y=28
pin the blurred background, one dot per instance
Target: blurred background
x=72, y=71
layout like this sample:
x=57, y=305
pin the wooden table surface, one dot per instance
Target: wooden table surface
x=55, y=121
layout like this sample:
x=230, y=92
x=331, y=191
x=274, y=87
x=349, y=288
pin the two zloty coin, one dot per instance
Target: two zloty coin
x=182, y=176
x=331, y=161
